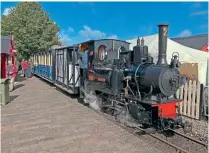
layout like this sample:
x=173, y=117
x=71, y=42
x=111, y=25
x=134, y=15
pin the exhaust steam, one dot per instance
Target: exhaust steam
x=92, y=100
x=122, y=116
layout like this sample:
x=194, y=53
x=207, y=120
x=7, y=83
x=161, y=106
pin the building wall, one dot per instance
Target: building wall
x=4, y=59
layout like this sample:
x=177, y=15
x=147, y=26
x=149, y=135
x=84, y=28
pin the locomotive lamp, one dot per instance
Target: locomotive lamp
x=175, y=61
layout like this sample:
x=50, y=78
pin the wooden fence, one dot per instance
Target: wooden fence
x=191, y=105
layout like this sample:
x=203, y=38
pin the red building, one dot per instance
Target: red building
x=205, y=48
x=7, y=52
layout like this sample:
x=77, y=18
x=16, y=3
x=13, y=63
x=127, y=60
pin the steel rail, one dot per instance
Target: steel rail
x=190, y=138
x=170, y=144
x=166, y=142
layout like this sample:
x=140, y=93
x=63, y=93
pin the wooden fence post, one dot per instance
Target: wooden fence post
x=198, y=101
x=193, y=99
x=201, y=101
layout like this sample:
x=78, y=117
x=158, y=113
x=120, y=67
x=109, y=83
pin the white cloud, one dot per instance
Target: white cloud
x=112, y=37
x=64, y=37
x=196, y=5
x=185, y=33
x=7, y=11
x=199, y=13
x=70, y=29
x=88, y=33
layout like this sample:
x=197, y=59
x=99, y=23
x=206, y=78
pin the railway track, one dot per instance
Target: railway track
x=189, y=142
x=181, y=149
x=178, y=149
x=190, y=138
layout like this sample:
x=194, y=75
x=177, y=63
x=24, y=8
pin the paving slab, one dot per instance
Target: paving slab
x=41, y=119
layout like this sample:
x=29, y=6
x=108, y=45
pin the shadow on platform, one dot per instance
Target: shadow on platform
x=13, y=97
x=18, y=86
x=20, y=78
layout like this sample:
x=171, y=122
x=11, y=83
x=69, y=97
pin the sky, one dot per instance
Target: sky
x=80, y=21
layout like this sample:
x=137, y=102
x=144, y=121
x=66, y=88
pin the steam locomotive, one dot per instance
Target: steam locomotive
x=126, y=82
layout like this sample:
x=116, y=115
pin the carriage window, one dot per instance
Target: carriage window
x=102, y=52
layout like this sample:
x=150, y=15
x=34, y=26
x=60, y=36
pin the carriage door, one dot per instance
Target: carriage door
x=59, y=66
x=73, y=68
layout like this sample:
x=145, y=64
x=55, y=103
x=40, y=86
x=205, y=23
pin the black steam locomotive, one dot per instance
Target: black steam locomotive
x=126, y=82
x=129, y=82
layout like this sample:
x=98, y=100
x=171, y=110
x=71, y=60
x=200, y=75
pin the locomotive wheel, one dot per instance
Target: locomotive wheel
x=99, y=102
x=169, y=133
x=145, y=126
x=81, y=98
x=116, y=115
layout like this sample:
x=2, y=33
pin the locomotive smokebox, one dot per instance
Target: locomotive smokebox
x=162, y=44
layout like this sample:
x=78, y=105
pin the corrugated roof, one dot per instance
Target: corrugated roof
x=5, y=44
x=196, y=42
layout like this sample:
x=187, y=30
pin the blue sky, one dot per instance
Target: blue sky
x=79, y=21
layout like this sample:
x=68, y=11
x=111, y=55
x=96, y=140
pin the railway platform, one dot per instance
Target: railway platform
x=41, y=119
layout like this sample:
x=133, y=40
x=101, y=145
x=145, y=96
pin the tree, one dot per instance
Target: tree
x=32, y=28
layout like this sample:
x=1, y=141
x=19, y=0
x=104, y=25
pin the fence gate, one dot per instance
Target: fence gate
x=190, y=93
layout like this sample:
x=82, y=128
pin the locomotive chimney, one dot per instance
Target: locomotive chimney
x=162, y=44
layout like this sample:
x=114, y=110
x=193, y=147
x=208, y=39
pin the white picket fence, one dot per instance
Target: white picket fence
x=190, y=93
